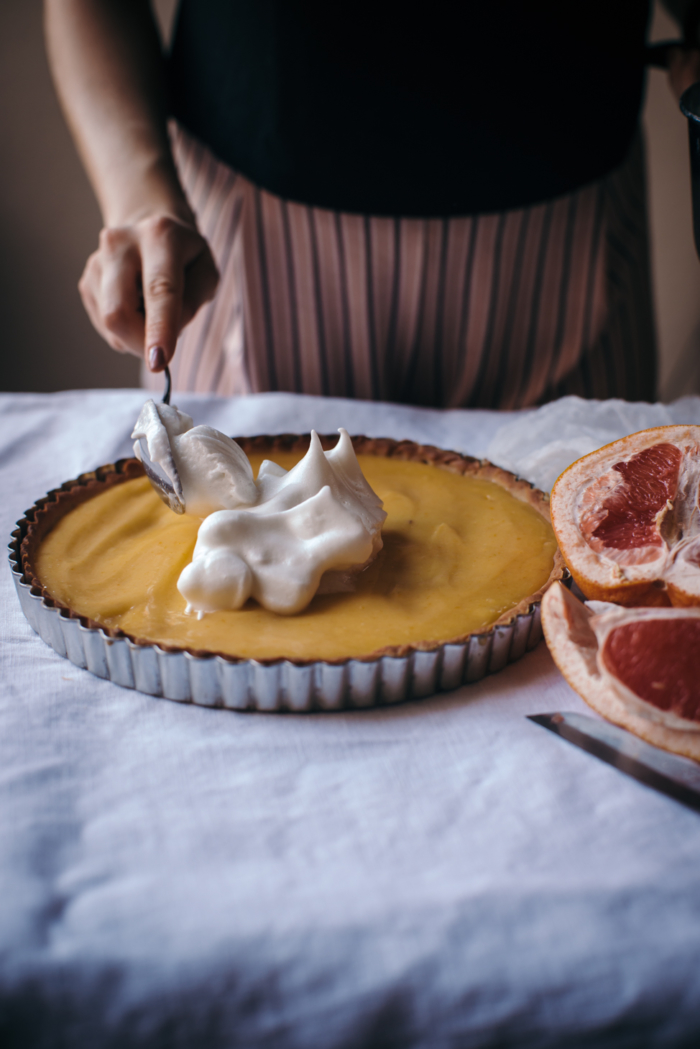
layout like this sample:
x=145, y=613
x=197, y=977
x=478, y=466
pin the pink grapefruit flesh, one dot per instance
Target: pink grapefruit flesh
x=637, y=667
x=627, y=518
x=658, y=660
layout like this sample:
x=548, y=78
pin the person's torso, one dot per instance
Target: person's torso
x=446, y=110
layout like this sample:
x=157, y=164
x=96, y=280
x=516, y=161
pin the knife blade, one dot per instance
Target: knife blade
x=677, y=777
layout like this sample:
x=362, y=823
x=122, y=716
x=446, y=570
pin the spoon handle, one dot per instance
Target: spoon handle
x=168, y=384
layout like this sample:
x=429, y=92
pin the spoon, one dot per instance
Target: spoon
x=163, y=475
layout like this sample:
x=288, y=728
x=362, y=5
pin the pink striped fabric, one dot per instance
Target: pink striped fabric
x=498, y=311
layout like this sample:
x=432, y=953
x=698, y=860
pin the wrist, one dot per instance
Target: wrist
x=149, y=189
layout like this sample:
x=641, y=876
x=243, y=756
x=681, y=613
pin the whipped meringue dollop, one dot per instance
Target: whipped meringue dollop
x=278, y=539
x=210, y=469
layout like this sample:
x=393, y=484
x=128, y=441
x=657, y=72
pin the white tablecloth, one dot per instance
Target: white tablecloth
x=442, y=874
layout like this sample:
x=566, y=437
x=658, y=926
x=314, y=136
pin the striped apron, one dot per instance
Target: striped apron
x=489, y=311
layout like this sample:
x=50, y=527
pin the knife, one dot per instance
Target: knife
x=677, y=777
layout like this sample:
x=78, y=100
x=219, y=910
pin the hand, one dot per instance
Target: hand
x=683, y=69
x=145, y=282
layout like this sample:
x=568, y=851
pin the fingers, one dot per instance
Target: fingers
x=178, y=276
x=120, y=298
x=109, y=288
x=164, y=257
x=145, y=282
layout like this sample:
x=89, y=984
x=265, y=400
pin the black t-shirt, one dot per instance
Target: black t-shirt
x=441, y=110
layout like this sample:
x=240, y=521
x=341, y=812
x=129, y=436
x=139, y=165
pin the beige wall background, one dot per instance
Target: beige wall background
x=49, y=224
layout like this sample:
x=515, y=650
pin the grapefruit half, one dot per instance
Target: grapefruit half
x=627, y=518
x=638, y=667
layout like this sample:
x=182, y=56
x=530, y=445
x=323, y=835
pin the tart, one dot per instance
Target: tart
x=468, y=553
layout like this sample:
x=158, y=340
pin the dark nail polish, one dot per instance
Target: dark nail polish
x=156, y=359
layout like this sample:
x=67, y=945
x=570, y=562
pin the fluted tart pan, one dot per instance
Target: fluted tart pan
x=384, y=676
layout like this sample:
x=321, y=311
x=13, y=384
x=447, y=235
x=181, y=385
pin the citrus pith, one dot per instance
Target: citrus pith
x=627, y=520
x=637, y=667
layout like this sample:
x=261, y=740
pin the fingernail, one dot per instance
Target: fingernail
x=156, y=358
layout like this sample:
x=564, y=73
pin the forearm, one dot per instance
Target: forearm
x=152, y=270
x=107, y=65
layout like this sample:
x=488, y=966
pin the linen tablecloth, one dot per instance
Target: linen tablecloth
x=441, y=874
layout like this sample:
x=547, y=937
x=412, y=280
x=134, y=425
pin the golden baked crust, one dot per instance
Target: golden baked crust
x=56, y=504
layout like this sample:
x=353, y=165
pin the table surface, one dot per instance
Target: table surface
x=440, y=874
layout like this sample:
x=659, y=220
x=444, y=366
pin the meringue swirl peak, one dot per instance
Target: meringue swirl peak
x=279, y=538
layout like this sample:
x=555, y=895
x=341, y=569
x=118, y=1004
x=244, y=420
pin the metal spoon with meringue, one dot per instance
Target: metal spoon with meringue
x=152, y=447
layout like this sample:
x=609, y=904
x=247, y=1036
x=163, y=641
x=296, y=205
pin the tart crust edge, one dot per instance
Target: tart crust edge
x=47, y=511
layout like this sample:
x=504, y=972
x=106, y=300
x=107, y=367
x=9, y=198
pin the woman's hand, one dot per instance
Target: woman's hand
x=152, y=270
x=145, y=282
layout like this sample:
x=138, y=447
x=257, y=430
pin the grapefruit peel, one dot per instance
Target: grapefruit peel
x=627, y=521
x=580, y=638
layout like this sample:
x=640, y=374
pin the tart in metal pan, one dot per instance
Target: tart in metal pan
x=382, y=676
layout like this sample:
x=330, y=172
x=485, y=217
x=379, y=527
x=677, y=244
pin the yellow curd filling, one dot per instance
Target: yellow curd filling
x=458, y=552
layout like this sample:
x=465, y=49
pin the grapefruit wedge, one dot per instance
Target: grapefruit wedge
x=627, y=519
x=638, y=667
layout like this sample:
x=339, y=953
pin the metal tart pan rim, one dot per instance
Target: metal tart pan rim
x=273, y=686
